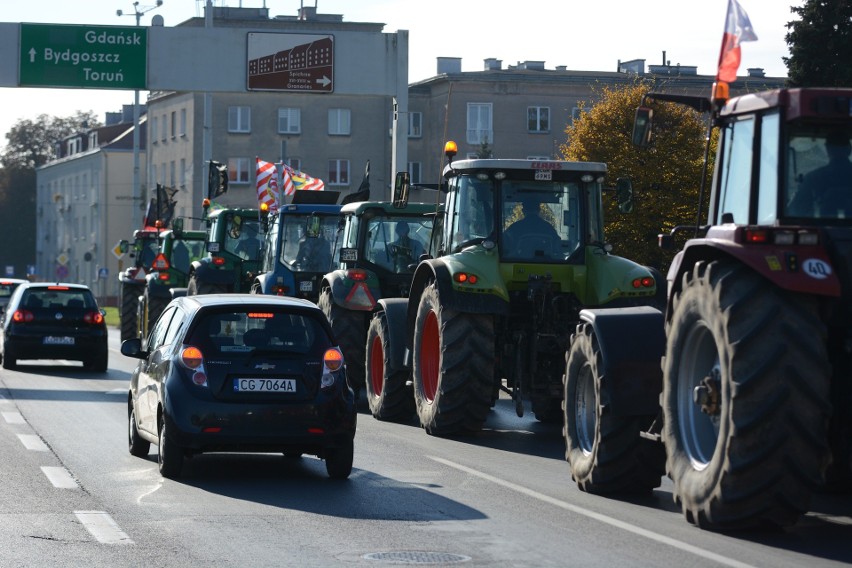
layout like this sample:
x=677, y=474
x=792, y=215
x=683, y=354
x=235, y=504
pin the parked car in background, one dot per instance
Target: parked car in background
x=53, y=321
x=7, y=286
x=240, y=373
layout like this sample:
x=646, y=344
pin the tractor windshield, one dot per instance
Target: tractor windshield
x=396, y=242
x=242, y=237
x=306, y=241
x=540, y=220
x=819, y=184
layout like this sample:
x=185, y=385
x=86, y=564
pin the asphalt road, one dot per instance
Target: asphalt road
x=73, y=496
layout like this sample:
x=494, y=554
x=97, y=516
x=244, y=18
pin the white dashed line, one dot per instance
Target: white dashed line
x=599, y=517
x=13, y=418
x=60, y=477
x=32, y=442
x=103, y=528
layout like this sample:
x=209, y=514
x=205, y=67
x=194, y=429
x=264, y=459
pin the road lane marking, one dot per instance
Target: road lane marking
x=32, y=442
x=60, y=477
x=14, y=418
x=101, y=526
x=598, y=516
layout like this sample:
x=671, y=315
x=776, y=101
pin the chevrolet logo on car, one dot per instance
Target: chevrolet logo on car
x=264, y=366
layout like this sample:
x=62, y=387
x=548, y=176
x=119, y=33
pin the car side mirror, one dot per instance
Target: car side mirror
x=624, y=194
x=133, y=348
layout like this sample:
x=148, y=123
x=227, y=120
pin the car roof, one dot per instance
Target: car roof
x=243, y=300
x=31, y=285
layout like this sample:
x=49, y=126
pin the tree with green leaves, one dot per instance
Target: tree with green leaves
x=820, y=44
x=31, y=143
x=666, y=176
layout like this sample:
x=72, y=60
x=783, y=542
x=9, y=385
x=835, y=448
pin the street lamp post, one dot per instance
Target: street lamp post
x=136, y=211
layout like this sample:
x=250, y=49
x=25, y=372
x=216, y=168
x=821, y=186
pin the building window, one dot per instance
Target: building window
x=414, y=172
x=479, y=123
x=338, y=172
x=182, y=131
x=153, y=132
x=295, y=163
x=339, y=122
x=172, y=174
x=174, y=124
x=575, y=113
x=93, y=140
x=238, y=170
x=538, y=119
x=415, y=124
x=289, y=121
x=239, y=119
x=154, y=172
x=164, y=129
x=72, y=146
x=162, y=174
x=183, y=173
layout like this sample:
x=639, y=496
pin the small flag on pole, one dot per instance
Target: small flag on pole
x=267, y=185
x=737, y=30
x=301, y=181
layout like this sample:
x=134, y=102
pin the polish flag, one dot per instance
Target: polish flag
x=737, y=30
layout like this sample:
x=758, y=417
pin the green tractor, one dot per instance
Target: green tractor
x=234, y=247
x=379, y=248
x=169, y=274
x=515, y=255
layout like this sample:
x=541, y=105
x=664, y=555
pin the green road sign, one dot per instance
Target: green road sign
x=87, y=57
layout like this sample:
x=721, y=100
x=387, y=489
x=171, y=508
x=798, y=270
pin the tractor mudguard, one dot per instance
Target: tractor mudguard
x=632, y=343
x=155, y=289
x=436, y=270
x=351, y=295
x=395, y=310
x=205, y=273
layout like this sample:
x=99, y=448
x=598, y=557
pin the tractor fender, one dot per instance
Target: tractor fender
x=155, y=289
x=632, y=343
x=344, y=292
x=395, y=311
x=259, y=283
x=791, y=269
x=206, y=273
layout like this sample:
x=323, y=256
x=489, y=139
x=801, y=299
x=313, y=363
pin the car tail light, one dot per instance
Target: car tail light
x=21, y=316
x=218, y=260
x=332, y=361
x=93, y=318
x=160, y=262
x=191, y=358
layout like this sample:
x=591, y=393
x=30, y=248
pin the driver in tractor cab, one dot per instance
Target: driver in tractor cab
x=405, y=250
x=249, y=244
x=314, y=249
x=827, y=190
x=530, y=234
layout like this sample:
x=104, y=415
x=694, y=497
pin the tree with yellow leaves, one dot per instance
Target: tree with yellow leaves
x=666, y=175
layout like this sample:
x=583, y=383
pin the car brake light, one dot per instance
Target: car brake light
x=260, y=315
x=94, y=318
x=58, y=288
x=21, y=316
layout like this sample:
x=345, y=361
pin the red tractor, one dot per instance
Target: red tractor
x=753, y=404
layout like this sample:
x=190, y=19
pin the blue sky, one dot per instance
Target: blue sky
x=581, y=35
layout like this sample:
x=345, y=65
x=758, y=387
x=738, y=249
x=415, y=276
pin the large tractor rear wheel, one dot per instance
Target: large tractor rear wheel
x=129, y=304
x=350, y=328
x=387, y=395
x=453, y=366
x=745, y=399
x=154, y=306
x=604, y=450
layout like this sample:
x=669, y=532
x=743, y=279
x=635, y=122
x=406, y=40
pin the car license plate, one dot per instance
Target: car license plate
x=264, y=385
x=50, y=340
x=306, y=286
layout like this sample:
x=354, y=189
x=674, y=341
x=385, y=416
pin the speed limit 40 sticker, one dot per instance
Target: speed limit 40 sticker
x=816, y=268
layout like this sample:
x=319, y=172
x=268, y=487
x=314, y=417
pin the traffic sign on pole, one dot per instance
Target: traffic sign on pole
x=94, y=57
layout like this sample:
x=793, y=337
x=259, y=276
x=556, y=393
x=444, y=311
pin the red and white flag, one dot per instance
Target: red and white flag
x=267, y=185
x=737, y=30
x=300, y=180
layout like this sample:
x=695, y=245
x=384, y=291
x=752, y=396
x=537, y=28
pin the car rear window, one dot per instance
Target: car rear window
x=6, y=288
x=58, y=297
x=238, y=332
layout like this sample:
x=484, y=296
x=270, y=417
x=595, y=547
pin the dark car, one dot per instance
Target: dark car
x=240, y=373
x=54, y=321
x=7, y=286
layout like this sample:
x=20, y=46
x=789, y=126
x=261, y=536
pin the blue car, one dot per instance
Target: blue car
x=240, y=373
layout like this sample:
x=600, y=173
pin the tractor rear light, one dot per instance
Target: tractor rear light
x=93, y=318
x=644, y=282
x=357, y=274
x=163, y=275
x=160, y=262
x=784, y=237
x=465, y=278
x=280, y=290
x=22, y=316
x=808, y=238
x=757, y=236
x=218, y=260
